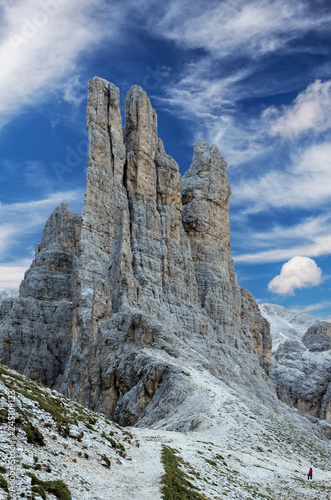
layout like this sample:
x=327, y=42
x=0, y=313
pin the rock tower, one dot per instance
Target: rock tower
x=122, y=302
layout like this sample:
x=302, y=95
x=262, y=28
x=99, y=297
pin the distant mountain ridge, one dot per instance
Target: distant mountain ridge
x=286, y=324
x=301, y=361
x=8, y=293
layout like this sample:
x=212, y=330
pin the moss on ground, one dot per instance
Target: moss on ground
x=57, y=488
x=3, y=484
x=114, y=444
x=176, y=485
x=33, y=434
x=50, y=403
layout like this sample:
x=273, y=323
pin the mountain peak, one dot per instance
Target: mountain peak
x=143, y=283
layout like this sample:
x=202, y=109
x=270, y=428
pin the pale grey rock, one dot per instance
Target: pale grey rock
x=76, y=432
x=35, y=329
x=50, y=274
x=301, y=366
x=145, y=277
x=206, y=197
x=318, y=337
x=286, y=324
x=8, y=293
x=255, y=324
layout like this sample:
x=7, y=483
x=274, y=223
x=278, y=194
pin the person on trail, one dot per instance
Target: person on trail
x=310, y=473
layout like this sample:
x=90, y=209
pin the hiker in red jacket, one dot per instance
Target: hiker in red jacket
x=310, y=473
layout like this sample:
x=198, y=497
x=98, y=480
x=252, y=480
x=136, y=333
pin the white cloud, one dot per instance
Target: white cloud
x=232, y=26
x=311, y=111
x=298, y=272
x=305, y=183
x=12, y=274
x=208, y=95
x=311, y=237
x=26, y=218
x=325, y=304
x=322, y=246
x=74, y=91
x=41, y=43
x=210, y=102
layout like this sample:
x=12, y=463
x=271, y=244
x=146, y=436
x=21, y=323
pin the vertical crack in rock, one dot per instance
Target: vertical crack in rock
x=151, y=286
x=109, y=133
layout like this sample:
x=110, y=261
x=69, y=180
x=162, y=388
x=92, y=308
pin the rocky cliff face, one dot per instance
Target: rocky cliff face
x=35, y=329
x=301, y=362
x=145, y=278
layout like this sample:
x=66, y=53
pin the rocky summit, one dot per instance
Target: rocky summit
x=119, y=301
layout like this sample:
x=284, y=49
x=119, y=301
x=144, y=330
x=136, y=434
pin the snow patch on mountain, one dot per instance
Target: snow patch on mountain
x=8, y=294
x=286, y=325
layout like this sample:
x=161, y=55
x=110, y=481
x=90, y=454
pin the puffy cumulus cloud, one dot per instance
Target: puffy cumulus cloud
x=298, y=272
x=311, y=111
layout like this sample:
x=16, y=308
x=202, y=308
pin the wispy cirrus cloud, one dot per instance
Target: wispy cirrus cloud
x=280, y=253
x=41, y=44
x=209, y=91
x=240, y=27
x=311, y=111
x=324, y=304
x=310, y=237
x=303, y=184
x=209, y=101
x=74, y=90
x=26, y=218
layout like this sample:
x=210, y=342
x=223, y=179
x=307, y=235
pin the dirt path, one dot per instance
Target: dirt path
x=136, y=479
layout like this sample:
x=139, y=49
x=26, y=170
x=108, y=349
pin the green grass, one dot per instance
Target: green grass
x=57, y=488
x=33, y=434
x=176, y=485
x=3, y=484
x=51, y=404
x=117, y=446
x=106, y=460
x=3, y=470
x=40, y=490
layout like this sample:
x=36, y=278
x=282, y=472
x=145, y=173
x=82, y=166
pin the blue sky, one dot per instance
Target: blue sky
x=253, y=77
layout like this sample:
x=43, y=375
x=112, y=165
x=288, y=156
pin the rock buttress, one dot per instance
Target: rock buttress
x=153, y=288
x=157, y=282
x=35, y=329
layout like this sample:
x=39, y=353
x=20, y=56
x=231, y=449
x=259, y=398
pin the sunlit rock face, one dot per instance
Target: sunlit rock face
x=145, y=277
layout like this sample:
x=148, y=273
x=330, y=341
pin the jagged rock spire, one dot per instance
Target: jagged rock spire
x=153, y=282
